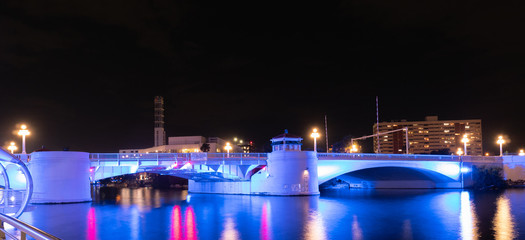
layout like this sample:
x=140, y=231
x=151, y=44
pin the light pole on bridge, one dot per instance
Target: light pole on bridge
x=459, y=152
x=315, y=135
x=465, y=140
x=228, y=147
x=12, y=147
x=23, y=132
x=500, y=142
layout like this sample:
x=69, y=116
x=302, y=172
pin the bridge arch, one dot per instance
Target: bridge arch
x=392, y=174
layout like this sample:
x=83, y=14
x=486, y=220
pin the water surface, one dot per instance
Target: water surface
x=146, y=213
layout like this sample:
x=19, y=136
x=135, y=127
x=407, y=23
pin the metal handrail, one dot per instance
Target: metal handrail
x=10, y=158
x=25, y=229
x=109, y=157
x=406, y=157
x=200, y=156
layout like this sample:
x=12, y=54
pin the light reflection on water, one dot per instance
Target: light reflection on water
x=146, y=213
x=503, y=220
x=468, y=218
x=266, y=223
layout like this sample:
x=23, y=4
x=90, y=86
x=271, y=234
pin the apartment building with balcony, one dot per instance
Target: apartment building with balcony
x=430, y=136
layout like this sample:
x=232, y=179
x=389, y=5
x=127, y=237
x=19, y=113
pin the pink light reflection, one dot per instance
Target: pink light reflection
x=191, y=226
x=176, y=232
x=265, y=222
x=91, y=225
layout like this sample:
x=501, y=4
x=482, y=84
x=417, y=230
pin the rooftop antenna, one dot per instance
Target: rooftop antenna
x=377, y=125
x=326, y=132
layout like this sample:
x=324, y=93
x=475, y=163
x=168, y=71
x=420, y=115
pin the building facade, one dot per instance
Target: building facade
x=186, y=144
x=431, y=136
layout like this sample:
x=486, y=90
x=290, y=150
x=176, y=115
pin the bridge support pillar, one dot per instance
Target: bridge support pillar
x=234, y=187
x=514, y=167
x=60, y=177
x=287, y=173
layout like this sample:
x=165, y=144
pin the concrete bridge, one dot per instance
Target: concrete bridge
x=358, y=169
x=64, y=176
x=401, y=170
x=193, y=166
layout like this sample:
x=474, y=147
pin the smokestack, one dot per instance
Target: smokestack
x=160, y=134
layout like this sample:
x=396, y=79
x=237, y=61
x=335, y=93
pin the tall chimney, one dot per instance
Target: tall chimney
x=160, y=134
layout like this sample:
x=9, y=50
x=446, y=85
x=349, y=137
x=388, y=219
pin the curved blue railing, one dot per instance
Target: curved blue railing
x=5, y=159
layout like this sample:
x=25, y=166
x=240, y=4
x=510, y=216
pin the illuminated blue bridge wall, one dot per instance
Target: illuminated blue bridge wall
x=276, y=173
x=241, y=166
x=360, y=170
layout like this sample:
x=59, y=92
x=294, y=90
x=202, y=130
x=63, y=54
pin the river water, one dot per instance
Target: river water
x=147, y=213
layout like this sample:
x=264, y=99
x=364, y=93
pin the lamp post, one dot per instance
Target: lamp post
x=500, y=142
x=12, y=147
x=465, y=140
x=23, y=132
x=228, y=147
x=354, y=148
x=315, y=135
x=459, y=152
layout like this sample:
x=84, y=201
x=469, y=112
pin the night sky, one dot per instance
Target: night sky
x=83, y=74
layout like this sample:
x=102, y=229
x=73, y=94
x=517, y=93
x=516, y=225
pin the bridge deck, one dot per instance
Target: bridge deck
x=150, y=159
x=158, y=159
x=406, y=157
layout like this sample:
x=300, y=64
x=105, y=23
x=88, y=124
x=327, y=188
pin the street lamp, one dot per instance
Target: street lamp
x=315, y=135
x=12, y=147
x=228, y=147
x=353, y=149
x=23, y=132
x=459, y=152
x=500, y=142
x=464, y=140
x=522, y=153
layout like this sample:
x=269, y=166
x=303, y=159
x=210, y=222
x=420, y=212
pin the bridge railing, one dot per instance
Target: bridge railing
x=138, y=156
x=236, y=156
x=161, y=157
x=241, y=157
x=406, y=157
x=24, y=228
